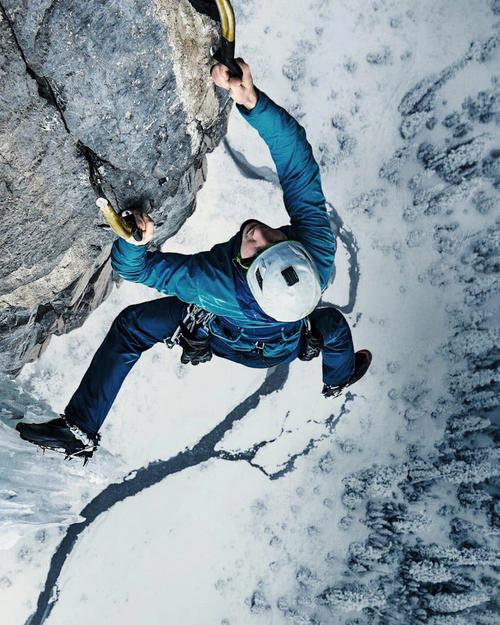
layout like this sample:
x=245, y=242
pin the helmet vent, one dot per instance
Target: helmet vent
x=258, y=275
x=290, y=276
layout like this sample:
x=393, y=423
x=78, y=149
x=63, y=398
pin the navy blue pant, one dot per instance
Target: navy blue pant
x=137, y=328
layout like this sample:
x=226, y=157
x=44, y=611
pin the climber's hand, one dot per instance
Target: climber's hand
x=241, y=90
x=145, y=225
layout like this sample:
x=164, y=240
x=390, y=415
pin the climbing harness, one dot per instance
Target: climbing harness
x=194, y=319
x=193, y=336
x=259, y=348
x=225, y=53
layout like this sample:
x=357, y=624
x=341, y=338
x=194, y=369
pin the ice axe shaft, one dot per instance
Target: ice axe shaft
x=225, y=54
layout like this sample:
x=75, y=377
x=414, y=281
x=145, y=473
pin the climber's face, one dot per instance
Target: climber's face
x=256, y=236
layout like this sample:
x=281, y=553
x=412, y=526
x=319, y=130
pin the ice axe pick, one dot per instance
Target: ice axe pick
x=225, y=53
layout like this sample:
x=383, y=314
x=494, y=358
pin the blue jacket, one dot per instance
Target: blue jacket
x=215, y=282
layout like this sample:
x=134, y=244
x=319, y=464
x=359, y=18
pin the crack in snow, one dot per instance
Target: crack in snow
x=247, y=169
x=248, y=455
x=140, y=479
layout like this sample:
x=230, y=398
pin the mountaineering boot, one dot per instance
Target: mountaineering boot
x=362, y=361
x=60, y=435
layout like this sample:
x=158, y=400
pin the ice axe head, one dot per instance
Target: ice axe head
x=122, y=224
x=222, y=11
x=225, y=54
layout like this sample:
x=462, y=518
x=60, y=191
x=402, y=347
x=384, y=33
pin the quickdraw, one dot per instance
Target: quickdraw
x=194, y=319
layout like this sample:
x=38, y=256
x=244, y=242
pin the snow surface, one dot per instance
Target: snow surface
x=257, y=524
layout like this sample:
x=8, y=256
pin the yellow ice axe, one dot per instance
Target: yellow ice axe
x=123, y=225
x=225, y=54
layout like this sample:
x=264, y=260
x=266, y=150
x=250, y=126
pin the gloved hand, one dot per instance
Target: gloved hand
x=312, y=345
x=195, y=351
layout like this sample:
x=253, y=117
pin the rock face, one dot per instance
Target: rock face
x=112, y=98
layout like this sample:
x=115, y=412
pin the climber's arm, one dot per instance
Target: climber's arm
x=297, y=169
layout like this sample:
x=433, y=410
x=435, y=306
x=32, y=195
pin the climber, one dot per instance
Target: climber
x=252, y=299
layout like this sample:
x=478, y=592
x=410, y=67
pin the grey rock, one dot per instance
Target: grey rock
x=97, y=98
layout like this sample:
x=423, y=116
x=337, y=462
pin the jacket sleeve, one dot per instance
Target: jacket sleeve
x=338, y=349
x=167, y=272
x=299, y=177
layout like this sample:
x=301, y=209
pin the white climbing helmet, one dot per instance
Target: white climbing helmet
x=285, y=281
